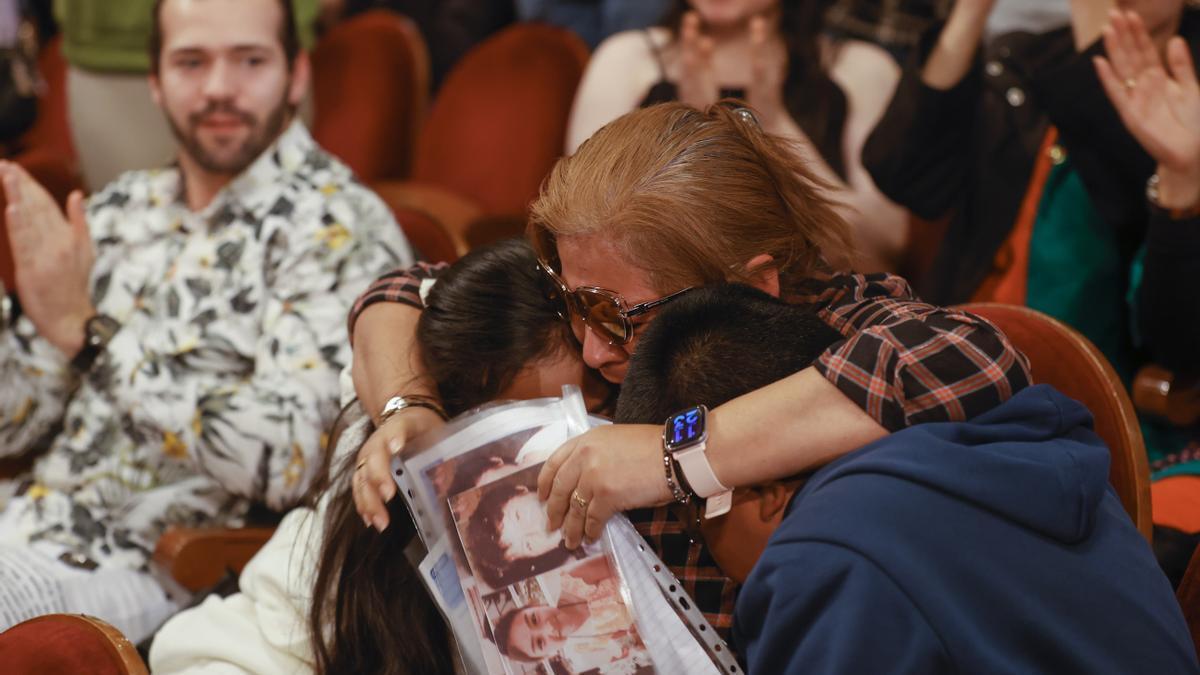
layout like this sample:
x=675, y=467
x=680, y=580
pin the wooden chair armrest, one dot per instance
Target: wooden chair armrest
x=198, y=558
x=1188, y=594
x=1160, y=392
x=454, y=212
x=68, y=643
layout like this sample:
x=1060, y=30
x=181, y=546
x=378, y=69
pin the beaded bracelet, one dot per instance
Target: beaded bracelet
x=677, y=493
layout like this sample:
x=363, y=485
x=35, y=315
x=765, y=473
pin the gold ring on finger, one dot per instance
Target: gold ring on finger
x=579, y=501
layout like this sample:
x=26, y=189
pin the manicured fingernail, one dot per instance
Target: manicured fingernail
x=366, y=521
x=394, y=446
x=380, y=523
x=389, y=491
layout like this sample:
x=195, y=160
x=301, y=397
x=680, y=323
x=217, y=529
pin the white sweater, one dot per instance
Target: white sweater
x=262, y=629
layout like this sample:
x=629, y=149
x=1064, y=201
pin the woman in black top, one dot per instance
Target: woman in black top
x=827, y=95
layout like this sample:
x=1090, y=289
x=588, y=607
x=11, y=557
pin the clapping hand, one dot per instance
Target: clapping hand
x=1160, y=105
x=697, y=85
x=54, y=256
x=768, y=70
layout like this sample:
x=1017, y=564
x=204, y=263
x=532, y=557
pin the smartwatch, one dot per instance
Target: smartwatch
x=685, y=438
x=97, y=332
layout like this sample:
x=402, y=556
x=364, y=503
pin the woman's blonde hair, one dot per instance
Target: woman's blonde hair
x=690, y=197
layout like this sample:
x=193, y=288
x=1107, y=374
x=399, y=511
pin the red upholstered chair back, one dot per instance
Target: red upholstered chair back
x=499, y=121
x=67, y=644
x=1069, y=362
x=422, y=228
x=371, y=92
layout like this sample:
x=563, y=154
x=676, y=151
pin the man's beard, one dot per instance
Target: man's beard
x=262, y=135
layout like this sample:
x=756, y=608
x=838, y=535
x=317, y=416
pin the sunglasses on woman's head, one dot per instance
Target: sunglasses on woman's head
x=603, y=311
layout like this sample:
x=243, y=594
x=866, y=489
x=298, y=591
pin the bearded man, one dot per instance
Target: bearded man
x=174, y=342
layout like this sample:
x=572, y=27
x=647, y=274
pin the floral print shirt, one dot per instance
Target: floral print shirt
x=216, y=390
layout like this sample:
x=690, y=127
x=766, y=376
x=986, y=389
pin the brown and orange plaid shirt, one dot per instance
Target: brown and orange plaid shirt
x=902, y=361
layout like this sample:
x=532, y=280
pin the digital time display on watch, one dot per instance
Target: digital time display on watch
x=685, y=428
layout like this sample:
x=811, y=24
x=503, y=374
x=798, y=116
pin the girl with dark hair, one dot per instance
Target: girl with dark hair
x=824, y=94
x=487, y=333
x=355, y=605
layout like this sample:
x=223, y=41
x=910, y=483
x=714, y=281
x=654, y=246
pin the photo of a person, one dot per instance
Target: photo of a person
x=504, y=530
x=478, y=467
x=588, y=626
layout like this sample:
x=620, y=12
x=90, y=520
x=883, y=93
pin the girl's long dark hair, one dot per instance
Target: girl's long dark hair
x=814, y=100
x=487, y=317
x=370, y=612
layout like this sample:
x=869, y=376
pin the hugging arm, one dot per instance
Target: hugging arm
x=903, y=362
x=387, y=362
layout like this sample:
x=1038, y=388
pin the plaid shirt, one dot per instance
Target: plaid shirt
x=897, y=23
x=903, y=362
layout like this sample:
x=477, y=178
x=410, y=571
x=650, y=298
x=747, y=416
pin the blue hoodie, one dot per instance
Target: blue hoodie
x=991, y=546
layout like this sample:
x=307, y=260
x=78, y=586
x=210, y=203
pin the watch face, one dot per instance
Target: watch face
x=100, y=329
x=686, y=428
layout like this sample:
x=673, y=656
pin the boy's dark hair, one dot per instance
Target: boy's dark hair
x=289, y=35
x=715, y=344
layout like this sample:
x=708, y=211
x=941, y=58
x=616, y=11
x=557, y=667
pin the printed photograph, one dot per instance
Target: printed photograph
x=504, y=531
x=570, y=620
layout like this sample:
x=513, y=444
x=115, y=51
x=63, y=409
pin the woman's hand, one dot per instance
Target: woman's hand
x=373, y=483
x=768, y=70
x=611, y=468
x=1160, y=108
x=697, y=84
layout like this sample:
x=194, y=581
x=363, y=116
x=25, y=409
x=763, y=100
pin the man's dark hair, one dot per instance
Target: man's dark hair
x=289, y=35
x=715, y=344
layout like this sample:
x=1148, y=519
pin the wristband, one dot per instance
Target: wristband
x=677, y=493
x=397, y=403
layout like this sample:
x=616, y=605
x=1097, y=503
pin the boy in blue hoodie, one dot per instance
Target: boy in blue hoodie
x=994, y=545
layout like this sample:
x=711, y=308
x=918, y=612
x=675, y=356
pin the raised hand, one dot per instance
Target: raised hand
x=697, y=83
x=1160, y=105
x=768, y=70
x=53, y=255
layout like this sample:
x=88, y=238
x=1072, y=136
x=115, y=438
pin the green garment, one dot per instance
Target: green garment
x=1075, y=271
x=1076, y=275
x=113, y=36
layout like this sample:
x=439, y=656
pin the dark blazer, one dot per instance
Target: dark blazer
x=970, y=151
